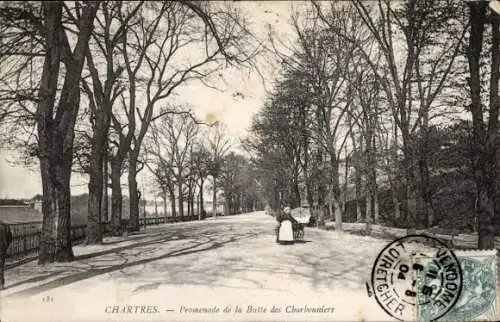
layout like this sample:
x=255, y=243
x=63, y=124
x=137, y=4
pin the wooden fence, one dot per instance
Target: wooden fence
x=26, y=236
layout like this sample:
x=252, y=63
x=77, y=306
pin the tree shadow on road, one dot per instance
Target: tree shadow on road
x=335, y=268
x=33, y=279
x=239, y=271
x=20, y=262
x=321, y=266
x=175, y=233
x=212, y=271
x=129, y=238
x=203, y=243
x=156, y=240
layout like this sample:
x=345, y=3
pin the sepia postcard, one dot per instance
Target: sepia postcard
x=249, y=160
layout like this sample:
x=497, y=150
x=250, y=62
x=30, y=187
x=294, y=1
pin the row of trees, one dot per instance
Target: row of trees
x=361, y=92
x=186, y=158
x=86, y=80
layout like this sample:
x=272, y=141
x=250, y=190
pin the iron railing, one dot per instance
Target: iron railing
x=26, y=236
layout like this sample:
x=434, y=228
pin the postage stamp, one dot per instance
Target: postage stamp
x=418, y=278
x=477, y=300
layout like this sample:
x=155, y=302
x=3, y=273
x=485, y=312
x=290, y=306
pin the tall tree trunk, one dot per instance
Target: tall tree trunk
x=425, y=198
x=330, y=203
x=411, y=202
x=116, y=196
x=56, y=134
x=409, y=182
x=202, y=202
x=368, y=210
x=94, y=219
x=277, y=198
x=358, y=179
x=192, y=200
x=156, y=208
x=52, y=189
x=338, y=213
x=358, y=196
x=491, y=169
x=393, y=178
x=425, y=191
x=227, y=204
x=189, y=198
x=181, y=198
x=395, y=202
x=199, y=206
x=56, y=227
x=321, y=216
x=371, y=175
x=133, y=193
x=321, y=203
x=242, y=203
x=105, y=203
x=164, y=197
x=344, y=186
x=373, y=178
x=172, y=202
x=214, y=198
x=296, y=193
x=484, y=160
x=309, y=194
x=55, y=166
x=337, y=203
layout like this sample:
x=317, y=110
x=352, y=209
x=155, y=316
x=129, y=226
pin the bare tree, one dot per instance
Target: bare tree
x=160, y=161
x=180, y=131
x=155, y=52
x=237, y=183
x=56, y=107
x=199, y=164
x=218, y=146
x=22, y=52
x=102, y=94
x=367, y=97
x=327, y=60
x=485, y=132
x=56, y=133
x=416, y=24
x=121, y=145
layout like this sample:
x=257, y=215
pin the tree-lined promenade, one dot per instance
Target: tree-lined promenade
x=91, y=78
x=383, y=112
x=392, y=103
x=228, y=261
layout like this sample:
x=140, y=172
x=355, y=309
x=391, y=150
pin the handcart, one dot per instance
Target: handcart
x=302, y=216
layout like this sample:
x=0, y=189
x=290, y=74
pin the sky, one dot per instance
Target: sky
x=236, y=112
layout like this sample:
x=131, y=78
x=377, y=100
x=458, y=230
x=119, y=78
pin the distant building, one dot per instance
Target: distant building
x=36, y=202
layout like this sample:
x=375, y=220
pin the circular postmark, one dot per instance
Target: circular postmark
x=415, y=277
